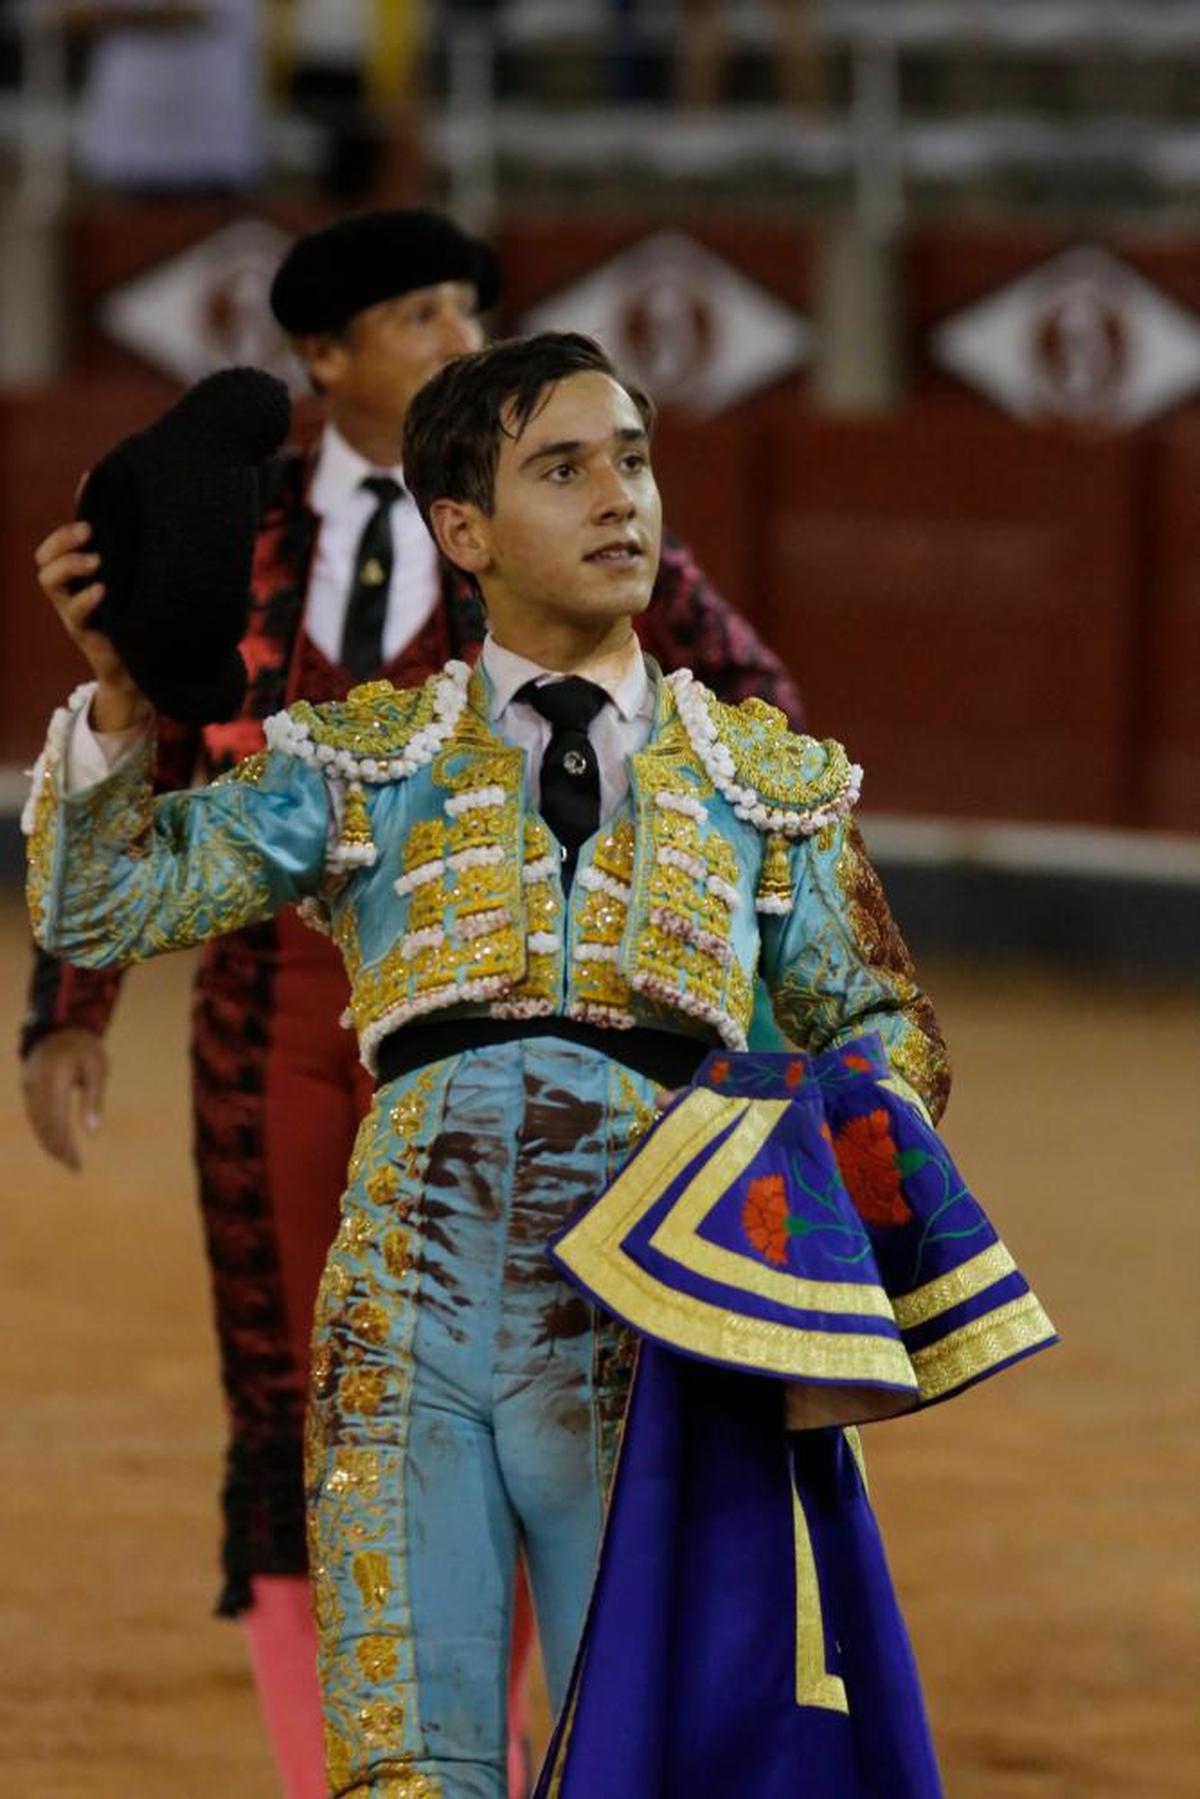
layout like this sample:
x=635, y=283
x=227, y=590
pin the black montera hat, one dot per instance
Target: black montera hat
x=174, y=512
x=327, y=276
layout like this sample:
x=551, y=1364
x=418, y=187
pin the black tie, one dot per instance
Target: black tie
x=570, y=771
x=366, y=614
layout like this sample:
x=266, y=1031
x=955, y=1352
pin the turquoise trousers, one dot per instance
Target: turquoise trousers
x=466, y=1408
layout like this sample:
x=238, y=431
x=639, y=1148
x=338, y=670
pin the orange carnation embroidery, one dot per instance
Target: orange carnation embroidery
x=858, y=1063
x=794, y=1074
x=765, y=1216
x=719, y=1071
x=868, y=1160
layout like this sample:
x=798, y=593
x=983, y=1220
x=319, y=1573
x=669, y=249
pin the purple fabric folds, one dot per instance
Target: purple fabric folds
x=798, y=1253
x=686, y=1684
x=799, y=1217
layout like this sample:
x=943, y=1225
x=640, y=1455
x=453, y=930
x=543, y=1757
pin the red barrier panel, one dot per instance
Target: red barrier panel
x=706, y=473
x=957, y=597
x=1171, y=780
x=47, y=440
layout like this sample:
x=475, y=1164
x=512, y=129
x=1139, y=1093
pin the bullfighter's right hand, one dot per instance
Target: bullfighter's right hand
x=63, y=561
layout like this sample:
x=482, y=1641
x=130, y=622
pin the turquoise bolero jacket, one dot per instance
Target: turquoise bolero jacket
x=397, y=820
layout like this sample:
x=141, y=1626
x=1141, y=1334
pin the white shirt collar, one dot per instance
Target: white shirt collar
x=623, y=676
x=340, y=472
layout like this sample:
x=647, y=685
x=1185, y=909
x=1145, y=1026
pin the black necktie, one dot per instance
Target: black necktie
x=570, y=771
x=366, y=614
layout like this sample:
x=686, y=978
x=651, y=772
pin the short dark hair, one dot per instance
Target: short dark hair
x=455, y=423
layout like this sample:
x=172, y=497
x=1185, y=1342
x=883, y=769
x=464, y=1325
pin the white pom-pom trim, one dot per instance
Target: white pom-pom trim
x=681, y=1000
x=481, y=855
x=482, y=924
x=614, y=1018
x=294, y=738
x=596, y=882
x=682, y=802
x=477, y=799
x=431, y=937
x=420, y=877
x=534, y=873
x=724, y=890
x=719, y=765
x=344, y=856
x=450, y=993
x=669, y=857
x=676, y=925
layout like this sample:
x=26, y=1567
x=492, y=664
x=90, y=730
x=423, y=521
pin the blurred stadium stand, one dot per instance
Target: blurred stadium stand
x=918, y=291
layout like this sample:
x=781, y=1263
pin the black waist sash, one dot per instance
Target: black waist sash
x=662, y=1056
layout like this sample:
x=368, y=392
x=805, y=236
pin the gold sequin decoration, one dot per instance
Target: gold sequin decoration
x=370, y=1322
x=363, y=1391
x=345, y=935
x=475, y=757
x=377, y=1658
x=322, y=1370
x=250, y=769
x=409, y=1110
x=789, y=772
x=374, y=720
x=614, y=852
x=372, y=1577
x=688, y=952
x=119, y=823
x=915, y=1045
x=382, y=1720
x=355, y=830
x=425, y=842
x=775, y=878
x=356, y=1230
x=398, y=1781
x=635, y=1111
x=383, y=1184
x=397, y=1254
x=364, y=1139
x=40, y=855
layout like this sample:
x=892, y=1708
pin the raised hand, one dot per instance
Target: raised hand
x=63, y=560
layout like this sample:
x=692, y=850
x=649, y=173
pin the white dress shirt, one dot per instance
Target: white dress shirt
x=344, y=506
x=617, y=731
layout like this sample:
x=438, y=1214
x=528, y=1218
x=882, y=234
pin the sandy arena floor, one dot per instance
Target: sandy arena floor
x=1042, y=1529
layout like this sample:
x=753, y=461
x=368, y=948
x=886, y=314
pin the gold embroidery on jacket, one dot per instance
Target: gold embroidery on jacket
x=917, y=1051
x=682, y=957
x=600, y=923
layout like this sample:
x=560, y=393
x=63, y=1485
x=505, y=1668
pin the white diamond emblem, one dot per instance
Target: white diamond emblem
x=682, y=322
x=1083, y=338
x=207, y=307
